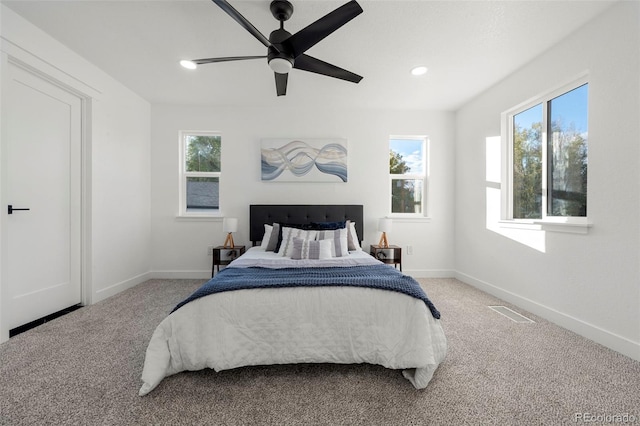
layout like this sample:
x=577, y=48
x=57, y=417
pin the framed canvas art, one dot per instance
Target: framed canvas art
x=304, y=160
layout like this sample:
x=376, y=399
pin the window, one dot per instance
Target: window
x=199, y=173
x=548, y=156
x=407, y=172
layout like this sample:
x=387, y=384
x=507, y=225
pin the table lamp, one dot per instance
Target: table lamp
x=229, y=225
x=384, y=226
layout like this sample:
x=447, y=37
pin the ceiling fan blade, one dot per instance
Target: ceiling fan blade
x=231, y=11
x=281, y=83
x=311, y=64
x=307, y=37
x=225, y=59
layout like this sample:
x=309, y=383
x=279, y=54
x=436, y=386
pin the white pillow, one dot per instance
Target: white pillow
x=267, y=234
x=305, y=249
x=352, y=236
x=288, y=234
x=338, y=238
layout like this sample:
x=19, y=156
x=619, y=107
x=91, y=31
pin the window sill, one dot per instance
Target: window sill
x=548, y=225
x=198, y=217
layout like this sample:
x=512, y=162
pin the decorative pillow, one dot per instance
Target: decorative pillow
x=288, y=234
x=279, y=236
x=305, y=249
x=272, y=244
x=267, y=235
x=338, y=238
x=327, y=225
x=352, y=236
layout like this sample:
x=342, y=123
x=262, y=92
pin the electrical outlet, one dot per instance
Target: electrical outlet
x=210, y=251
x=409, y=250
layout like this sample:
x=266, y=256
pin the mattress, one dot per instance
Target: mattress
x=327, y=324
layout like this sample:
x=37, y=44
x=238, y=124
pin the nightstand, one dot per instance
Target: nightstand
x=391, y=255
x=223, y=256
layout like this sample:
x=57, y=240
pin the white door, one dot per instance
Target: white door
x=42, y=144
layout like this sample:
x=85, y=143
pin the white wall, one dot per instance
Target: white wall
x=179, y=246
x=118, y=159
x=587, y=283
x=121, y=192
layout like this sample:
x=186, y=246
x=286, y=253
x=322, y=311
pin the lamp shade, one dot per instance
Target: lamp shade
x=230, y=224
x=384, y=224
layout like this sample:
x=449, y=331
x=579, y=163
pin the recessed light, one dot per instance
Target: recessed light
x=419, y=70
x=190, y=65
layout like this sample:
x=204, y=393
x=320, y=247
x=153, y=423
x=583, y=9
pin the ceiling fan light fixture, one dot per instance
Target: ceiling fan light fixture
x=280, y=65
x=190, y=65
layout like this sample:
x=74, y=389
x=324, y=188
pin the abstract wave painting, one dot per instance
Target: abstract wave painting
x=309, y=160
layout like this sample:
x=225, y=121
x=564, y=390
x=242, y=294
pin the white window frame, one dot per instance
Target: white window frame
x=571, y=224
x=413, y=176
x=183, y=175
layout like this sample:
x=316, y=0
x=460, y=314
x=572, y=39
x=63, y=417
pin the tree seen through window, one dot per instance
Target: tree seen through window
x=566, y=158
x=406, y=167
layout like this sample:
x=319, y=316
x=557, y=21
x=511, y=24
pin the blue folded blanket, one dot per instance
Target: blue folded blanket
x=381, y=277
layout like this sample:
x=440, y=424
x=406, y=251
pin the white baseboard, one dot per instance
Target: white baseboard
x=118, y=287
x=606, y=338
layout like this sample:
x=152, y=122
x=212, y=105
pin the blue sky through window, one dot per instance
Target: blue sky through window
x=526, y=118
x=411, y=151
x=570, y=107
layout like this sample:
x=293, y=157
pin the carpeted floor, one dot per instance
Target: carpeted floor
x=84, y=368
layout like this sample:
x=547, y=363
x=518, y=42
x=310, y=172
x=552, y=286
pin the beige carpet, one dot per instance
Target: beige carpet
x=84, y=368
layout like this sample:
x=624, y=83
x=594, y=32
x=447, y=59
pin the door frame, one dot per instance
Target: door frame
x=13, y=55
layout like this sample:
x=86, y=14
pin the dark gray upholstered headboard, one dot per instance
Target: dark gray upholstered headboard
x=260, y=214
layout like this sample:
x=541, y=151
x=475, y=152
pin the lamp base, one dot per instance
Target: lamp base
x=383, y=241
x=228, y=243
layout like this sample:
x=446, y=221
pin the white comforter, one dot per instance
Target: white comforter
x=297, y=325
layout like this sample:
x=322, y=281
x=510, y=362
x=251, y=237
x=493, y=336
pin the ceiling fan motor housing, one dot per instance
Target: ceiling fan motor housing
x=276, y=38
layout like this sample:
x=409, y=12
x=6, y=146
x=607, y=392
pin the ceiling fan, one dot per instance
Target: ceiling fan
x=286, y=51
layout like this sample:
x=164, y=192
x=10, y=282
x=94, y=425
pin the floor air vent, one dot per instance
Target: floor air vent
x=512, y=315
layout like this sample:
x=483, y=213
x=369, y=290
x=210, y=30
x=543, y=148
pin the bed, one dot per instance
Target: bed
x=303, y=301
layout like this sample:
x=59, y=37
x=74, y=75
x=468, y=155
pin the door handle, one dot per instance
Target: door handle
x=11, y=209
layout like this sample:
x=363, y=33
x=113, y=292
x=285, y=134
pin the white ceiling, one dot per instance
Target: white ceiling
x=467, y=45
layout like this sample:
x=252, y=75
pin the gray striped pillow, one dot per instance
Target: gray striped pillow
x=288, y=234
x=305, y=249
x=338, y=238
